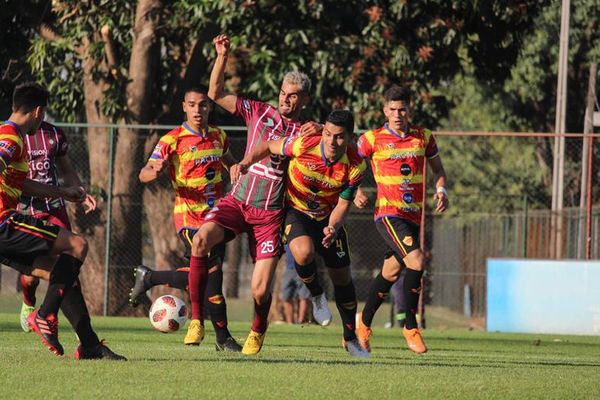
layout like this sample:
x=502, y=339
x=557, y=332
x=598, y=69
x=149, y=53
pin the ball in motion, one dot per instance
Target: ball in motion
x=168, y=314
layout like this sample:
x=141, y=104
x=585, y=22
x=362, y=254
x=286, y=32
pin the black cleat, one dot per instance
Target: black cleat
x=229, y=345
x=99, y=352
x=47, y=330
x=140, y=287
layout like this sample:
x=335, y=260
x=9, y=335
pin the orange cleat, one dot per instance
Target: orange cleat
x=363, y=333
x=414, y=340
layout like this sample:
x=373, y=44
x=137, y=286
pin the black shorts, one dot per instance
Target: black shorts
x=24, y=238
x=400, y=235
x=187, y=234
x=299, y=224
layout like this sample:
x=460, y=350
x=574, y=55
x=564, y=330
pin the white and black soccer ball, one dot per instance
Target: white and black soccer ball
x=168, y=314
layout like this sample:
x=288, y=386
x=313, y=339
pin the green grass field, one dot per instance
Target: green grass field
x=301, y=362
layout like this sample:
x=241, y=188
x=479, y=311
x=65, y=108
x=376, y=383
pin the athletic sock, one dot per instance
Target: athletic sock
x=345, y=300
x=216, y=305
x=76, y=311
x=261, y=315
x=412, y=290
x=378, y=292
x=198, y=278
x=29, y=285
x=308, y=274
x=174, y=279
x=63, y=275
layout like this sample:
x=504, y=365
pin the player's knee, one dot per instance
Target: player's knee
x=79, y=247
x=303, y=257
x=199, y=244
x=391, y=276
x=415, y=260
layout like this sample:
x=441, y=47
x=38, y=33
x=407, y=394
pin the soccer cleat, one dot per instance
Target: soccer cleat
x=414, y=340
x=98, y=352
x=253, y=343
x=363, y=333
x=321, y=311
x=229, y=345
x=140, y=287
x=47, y=330
x=195, y=333
x=25, y=311
x=355, y=349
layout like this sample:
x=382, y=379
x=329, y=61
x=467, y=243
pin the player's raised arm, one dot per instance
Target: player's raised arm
x=216, y=89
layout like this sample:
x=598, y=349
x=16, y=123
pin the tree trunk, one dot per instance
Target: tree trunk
x=127, y=191
x=94, y=225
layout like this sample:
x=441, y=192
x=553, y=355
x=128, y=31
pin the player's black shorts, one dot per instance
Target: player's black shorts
x=187, y=234
x=401, y=235
x=299, y=224
x=23, y=239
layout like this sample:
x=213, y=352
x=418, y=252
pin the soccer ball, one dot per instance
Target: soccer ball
x=168, y=314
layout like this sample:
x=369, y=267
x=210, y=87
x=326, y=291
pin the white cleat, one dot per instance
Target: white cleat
x=355, y=349
x=321, y=310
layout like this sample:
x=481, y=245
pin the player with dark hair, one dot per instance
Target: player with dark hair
x=193, y=154
x=255, y=203
x=323, y=176
x=25, y=239
x=47, y=155
x=398, y=151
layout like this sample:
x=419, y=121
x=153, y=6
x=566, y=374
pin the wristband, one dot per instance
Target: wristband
x=442, y=189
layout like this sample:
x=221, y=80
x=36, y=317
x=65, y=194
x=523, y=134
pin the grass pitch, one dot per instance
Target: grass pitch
x=300, y=362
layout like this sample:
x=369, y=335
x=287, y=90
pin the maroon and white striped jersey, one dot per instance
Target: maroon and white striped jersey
x=263, y=186
x=43, y=148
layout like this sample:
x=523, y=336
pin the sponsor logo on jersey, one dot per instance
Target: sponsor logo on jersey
x=270, y=122
x=207, y=159
x=210, y=174
x=405, y=169
x=407, y=197
x=211, y=201
x=194, y=148
x=405, y=155
x=312, y=205
x=409, y=209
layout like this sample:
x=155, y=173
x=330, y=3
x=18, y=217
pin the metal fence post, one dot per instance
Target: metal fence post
x=111, y=152
x=525, y=223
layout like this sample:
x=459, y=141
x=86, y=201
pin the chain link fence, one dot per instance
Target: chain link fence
x=499, y=187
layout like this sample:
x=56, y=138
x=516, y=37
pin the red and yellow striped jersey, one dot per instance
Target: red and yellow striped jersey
x=314, y=185
x=195, y=171
x=14, y=160
x=397, y=163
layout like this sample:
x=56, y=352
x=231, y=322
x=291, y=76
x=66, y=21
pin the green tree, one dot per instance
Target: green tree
x=128, y=61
